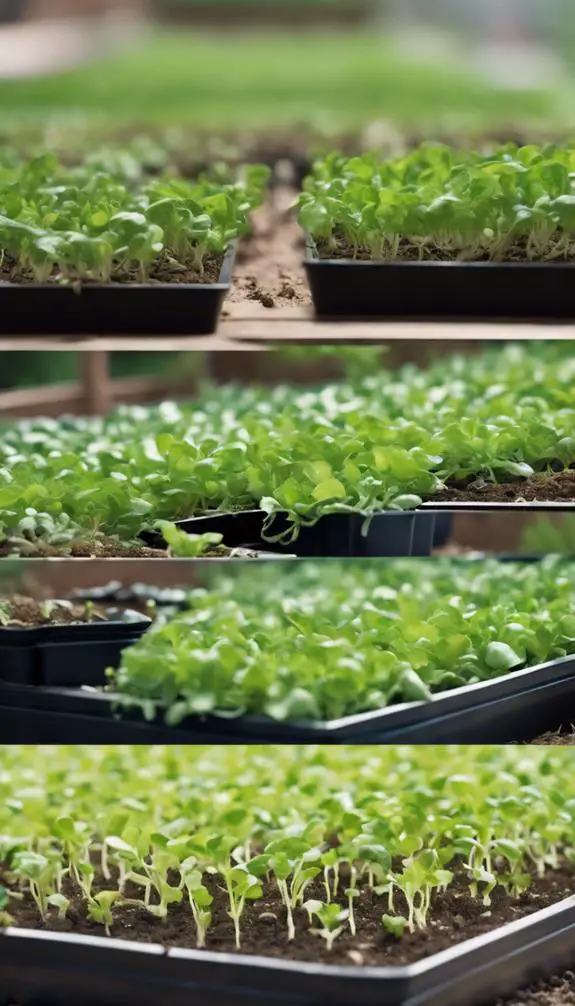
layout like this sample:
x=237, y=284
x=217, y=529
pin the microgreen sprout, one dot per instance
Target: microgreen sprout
x=460, y=625
x=445, y=204
x=90, y=224
x=200, y=838
x=331, y=918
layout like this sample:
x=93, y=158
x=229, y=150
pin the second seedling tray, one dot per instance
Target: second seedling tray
x=65, y=655
x=517, y=707
x=441, y=291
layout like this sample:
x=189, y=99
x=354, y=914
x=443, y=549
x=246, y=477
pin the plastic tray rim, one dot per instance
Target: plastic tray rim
x=563, y=911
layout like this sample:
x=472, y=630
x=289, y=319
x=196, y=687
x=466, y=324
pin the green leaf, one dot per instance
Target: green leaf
x=329, y=489
x=501, y=657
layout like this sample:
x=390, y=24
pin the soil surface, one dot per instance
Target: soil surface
x=162, y=271
x=563, y=738
x=26, y=611
x=93, y=548
x=406, y=251
x=454, y=917
x=558, y=991
x=542, y=487
x=109, y=548
x=268, y=266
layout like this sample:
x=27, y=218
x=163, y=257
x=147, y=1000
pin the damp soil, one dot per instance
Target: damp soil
x=562, y=738
x=109, y=548
x=163, y=270
x=559, y=991
x=268, y=268
x=454, y=917
x=93, y=548
x=518, y=252
x=26, y=611
x=544, y=487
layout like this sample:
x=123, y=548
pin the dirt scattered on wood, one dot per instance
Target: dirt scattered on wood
x=454, y=917
x=269, y=267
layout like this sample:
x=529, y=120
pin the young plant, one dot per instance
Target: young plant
x=100, y=909
x=199, y=897
x=241, y=885
x=331, y=918
x=42, y=874
x=187, y=546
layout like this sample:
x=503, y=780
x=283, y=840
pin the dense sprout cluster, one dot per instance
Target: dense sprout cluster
x=364, y=445
x=442, y=203
x=106, y=221
x=118, y=829
x=401, y=633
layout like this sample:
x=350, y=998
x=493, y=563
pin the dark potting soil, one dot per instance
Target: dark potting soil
x=161, y=271
x=92, y=548
x=26, y=611
x=433, y=252
x=109, y=548
x=542, y=487
x=454, y=917
x=562, y=738
x=558, y=991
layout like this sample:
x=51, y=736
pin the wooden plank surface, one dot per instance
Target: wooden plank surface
x=248, y=323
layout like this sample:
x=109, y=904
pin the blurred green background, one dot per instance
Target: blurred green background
x=335, y=80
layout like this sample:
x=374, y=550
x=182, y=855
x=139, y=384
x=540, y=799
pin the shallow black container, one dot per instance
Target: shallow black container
x=62, y=969
x=405, y=533
x=441, y=291
x=443, y=529
x=115, y=308
x=517, y=707
x=68, y=655
x=12, y=10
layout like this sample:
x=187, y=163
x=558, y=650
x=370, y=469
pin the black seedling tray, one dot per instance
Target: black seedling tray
x=405, y=533
x=38, y=967
x=67, y=655
x=441, y=291
x=12, y=10
x=115, y=308
x=516, y=707
x=443, y=529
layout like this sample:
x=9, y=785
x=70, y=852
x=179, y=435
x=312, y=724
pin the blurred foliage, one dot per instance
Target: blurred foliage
x=335, y=80
x=28, y=370
x=547, y=535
